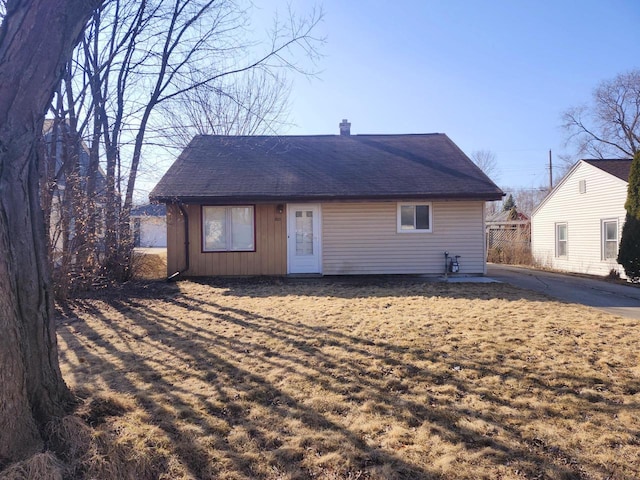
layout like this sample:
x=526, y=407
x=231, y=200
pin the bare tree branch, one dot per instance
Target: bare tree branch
x=486, y=161
x=610, y=125
x=193, y=56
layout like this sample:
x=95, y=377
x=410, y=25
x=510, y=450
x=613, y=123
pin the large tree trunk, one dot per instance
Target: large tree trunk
x=36, y=39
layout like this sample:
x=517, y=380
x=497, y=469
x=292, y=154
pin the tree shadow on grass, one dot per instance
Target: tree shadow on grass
x=369, y=286
x=233, y=410
x=242, y=394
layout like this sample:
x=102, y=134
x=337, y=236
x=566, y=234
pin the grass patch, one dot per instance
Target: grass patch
x=339, y=379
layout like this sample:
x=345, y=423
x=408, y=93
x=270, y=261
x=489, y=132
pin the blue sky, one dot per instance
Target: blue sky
x=493, y=75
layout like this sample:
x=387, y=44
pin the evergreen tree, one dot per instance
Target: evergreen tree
x=629, y=252
x=508, y=204
x=632, y=205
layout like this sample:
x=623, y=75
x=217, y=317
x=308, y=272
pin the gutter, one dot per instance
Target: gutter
x=174, y=276
x=240, y=199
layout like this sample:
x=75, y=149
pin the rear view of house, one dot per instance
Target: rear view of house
x=577, y=227
x=325, y=204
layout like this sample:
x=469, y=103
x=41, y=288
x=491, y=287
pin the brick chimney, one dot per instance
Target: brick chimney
x=345, y=127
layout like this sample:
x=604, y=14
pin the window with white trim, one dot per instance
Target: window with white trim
x=561, y=239
x=228, y=229
x=609, y=239
x=414, y=218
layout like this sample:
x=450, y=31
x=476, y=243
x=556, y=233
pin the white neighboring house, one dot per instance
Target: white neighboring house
x=149, y=226
x=577, y=227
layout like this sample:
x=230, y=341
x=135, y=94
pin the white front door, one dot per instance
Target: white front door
x=303, y=234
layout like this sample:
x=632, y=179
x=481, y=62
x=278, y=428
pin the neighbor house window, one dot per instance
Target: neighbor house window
x=228, y=229
x=561, y=239
x=609, y=239
x=414, y=217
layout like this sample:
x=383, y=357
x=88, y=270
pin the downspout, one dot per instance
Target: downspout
x=174, y=276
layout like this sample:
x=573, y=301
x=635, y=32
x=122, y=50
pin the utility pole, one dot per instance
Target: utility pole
x=550, y=172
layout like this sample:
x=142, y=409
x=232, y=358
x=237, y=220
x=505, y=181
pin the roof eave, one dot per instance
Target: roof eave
x=238, y=199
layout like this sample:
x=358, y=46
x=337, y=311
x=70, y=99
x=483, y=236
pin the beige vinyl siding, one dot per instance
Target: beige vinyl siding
x=583, y=214
x=270, y=257
x=362, y=238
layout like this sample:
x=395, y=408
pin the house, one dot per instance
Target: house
x=149, y=226
x=324, y=204
x=577, y=227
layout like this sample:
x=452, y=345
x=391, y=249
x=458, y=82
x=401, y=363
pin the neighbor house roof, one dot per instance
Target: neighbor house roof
x=504, y=216
x=325, y=167
x=149, y=211
x=619, y=168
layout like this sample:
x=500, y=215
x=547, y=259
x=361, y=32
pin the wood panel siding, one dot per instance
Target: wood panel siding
x=362, y=238
x=269, y=258
x=176, y=260
x=602, y=199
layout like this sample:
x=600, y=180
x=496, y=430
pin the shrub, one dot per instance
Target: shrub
x=511, y=254
x=629, y=253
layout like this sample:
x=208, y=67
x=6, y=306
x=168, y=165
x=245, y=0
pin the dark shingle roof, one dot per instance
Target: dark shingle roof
x=619, y=168
x=327, y=167
x=149, y=211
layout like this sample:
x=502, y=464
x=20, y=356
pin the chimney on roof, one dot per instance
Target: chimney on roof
x=345, y=127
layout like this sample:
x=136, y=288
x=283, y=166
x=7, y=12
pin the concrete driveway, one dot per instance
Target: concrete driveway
x=614, y=298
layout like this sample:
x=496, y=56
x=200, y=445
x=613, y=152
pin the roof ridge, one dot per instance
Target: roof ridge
x=323, y=135
x=607, y=159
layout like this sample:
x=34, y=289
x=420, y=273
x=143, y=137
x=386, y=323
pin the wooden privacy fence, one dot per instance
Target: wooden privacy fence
x=509, y=242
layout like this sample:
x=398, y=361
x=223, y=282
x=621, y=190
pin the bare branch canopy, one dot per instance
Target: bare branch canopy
x=609, y=126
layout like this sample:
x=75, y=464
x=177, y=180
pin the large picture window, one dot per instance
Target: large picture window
x=609, y=239
x=414, y=217
x=228, y=229
x=561, y=239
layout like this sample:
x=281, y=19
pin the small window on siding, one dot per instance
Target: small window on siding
x=582, y=186
x=414, y=217
x=561, y=239
x=228, y=229
x=609, y=239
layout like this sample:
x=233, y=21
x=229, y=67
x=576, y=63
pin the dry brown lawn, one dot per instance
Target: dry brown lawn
x=348, y=379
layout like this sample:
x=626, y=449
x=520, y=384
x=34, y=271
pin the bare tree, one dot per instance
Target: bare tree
x=486, y=161
x=155, y=72
x=68, y=190
x=610, y=125
x=36, y=40
x=183, y=64
x=141, y=56
x=255, y=103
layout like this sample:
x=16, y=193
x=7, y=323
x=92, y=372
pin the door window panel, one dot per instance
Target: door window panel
x=304, y=232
